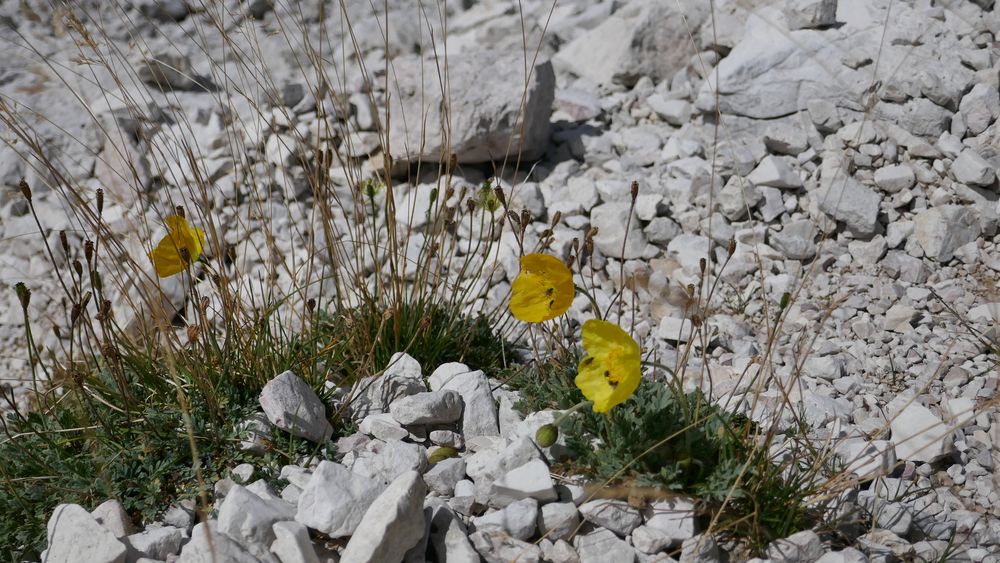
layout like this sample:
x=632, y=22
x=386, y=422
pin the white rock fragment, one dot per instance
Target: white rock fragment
x=335, y=500
x=496, y=546
x=479, y=415
x=558, y=520
x=601, y=546
x=920, y=435
x=401, y=377
x=667, y=524
x=292, y=543
x=895, y=178
x=393, y=523
x=432, y=407
x=971, y=168
x=155, y=543
x=208, y=545
x=111, y=515
x=291, y=405
x=801, y=546
x=940, y=231
x=74, y=535
x=615, y=515
x=531, y=480
x=517, y=519
x=774, y=171
x=248, y=519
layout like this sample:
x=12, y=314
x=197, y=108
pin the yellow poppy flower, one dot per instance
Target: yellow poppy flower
x=180, y=248
x=543, y=290
x=611, y=371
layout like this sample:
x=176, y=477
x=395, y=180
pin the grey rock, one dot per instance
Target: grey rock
x=920, y=435
x=155, y=543
x=700, y=549
x=559, y=552
x=796, y=239
x=335, y=500
x=291, y=405
x=391, y=460
x=443, y=475
x=393, y=524
x=496, y=546
x=645, y=39
x=255, y=433
x=846, y=555
x=980, y=107
x=803, y=14
x=775, y=171
x=895, y=178
x=208, y=545
x=970, y=168
x=432, y=407
x=850, y=202
x=248, y=519
x=479, y=416
x=402, y=377
x=667, y=524
x=292, y=543
x=242, y=473
x=169, y=70
x=601, y=546
x=616, y=228
x=383, y=426
x=615, y=515
x=181, y=515
x=517, y=519
x=484, y=122
x=450, y=540
x=736, y=198
x=940, y=231
x=674, y=112
x=804, y=547
x=74, y=535
x=919, y=116
x=531, y=480
x=558, y=520
x=111, y=515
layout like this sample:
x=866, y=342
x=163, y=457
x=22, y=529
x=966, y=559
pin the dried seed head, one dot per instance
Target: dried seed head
x=449, y=192
x=64, y=241
x=556, y=217
x=78, y=267
x=453, y=161
x=23, y=294
x=514, y=218
x=499, y=193
x=471, y=204
x=591, y=234
x=575, y=245
x=100, y=201
x=635, y=190
x=180, y=211
x=702, y=264
x=588, y=246
x=311, y=304
x=25, y=190
x=732, y=246
x=525, y=217
x=88, y=250
x=571, y=261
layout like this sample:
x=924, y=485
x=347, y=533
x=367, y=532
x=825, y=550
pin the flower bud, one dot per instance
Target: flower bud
x=547, y=435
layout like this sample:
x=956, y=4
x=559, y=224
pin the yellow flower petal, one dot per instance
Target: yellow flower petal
x=543, y=290
x=181, y=247
x=611, y=370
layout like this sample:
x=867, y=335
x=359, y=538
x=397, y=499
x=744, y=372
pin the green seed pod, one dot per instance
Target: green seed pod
x=442, y=454
x=547, y=435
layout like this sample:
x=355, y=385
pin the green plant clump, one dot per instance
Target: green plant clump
x=663, y=442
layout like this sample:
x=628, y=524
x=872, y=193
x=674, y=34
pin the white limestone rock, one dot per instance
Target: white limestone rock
x=74, y=535
x=479, y=415
x=335, y=500
x=291, y=405
x=393, y=523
